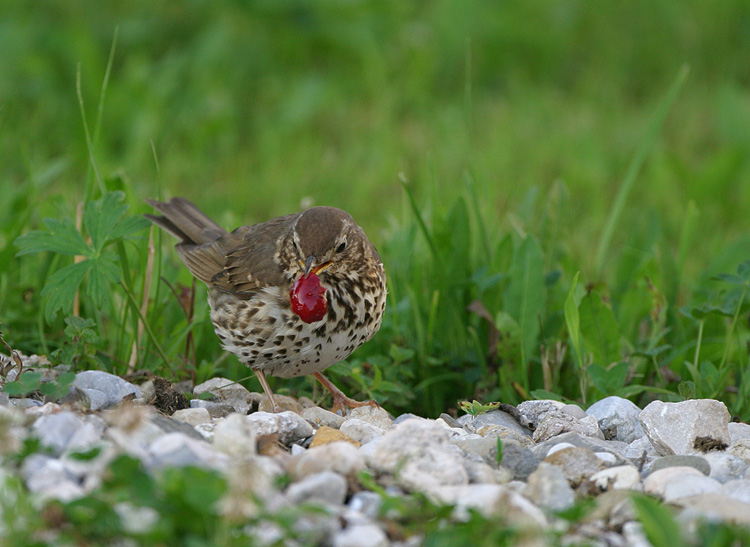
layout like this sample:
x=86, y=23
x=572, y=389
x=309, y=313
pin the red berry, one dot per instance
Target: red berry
x=307, y=298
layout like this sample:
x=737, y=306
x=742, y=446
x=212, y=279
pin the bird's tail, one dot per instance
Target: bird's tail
x=185, y=221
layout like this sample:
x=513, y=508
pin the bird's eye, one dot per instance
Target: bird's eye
x=340, y=248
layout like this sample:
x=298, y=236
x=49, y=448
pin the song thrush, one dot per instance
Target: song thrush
x=290, y=296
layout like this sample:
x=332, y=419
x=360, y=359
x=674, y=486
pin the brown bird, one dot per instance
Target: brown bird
x=290, y=296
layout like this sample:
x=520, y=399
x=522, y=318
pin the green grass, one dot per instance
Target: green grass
x=559, y=190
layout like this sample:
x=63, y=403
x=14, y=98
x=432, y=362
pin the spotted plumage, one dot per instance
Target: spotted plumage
x=250, y=272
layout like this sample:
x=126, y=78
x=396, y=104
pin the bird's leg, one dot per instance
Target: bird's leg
x=264, y=383
x=339, y=399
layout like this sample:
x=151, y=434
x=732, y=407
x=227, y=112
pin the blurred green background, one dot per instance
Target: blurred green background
x=255, y=109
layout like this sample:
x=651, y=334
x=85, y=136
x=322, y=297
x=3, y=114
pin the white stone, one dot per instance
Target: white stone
x=192, y=416
x=738, y=489
x=374, y=415
x=114, y=387
x=724, y=466
x=690, y=485
x=656, y=483
x=490, y=500
x=235, y=437
x=606, y=457
x=622, y=477
x=326, y=487
x=227, y=391
x=617, y=418
x=317, y=416
x=559, y=446
x=547, y=487
x=674, y=428
x=341, y=456
x=558, y=422
x=361, y=431
x=738, y=430
x=419, y=455
x=179, y=450
x=289, y=426
x=741, y=449
x=361, y=535
x=55, y=430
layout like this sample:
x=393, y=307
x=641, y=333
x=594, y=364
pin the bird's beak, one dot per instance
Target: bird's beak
x=309, y=262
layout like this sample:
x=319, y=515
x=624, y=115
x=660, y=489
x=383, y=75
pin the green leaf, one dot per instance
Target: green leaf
x=659, y=525
x=62, y=238
x=524, y=298
x=608, y=380
x=104, y=271
x=61, y=288
x=599, y=329
x=101, y=217
x=573, y=319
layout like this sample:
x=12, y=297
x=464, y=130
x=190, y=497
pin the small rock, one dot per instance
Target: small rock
x=725, y=467
x=342, y=457
x=519, y=460
x=688, y=427
x=622, y=477
x=547, y=487
x=698, y=462
x=738, y=489
x=326, y=435
x=557, y=422
x=317, y=417
x=591, y=443
x=656, y=483
x=738, y=431
x=113, y=387
x=326, y=487
x=574, y=410
x=97, y=399
x=361, y=535
x=55, y=430
x=192, y=416
x=367, y=503
x=479, y=472
x=492, y=418
x=577, y=463
x=235, y=437
x=618, y=419
x=373, y=415
x=491, y=500
x=227, y=391
x=215, y=410
x=419, y=455
x=178, y=450
x=715, y=507
x=534, y=411
x=741, y=449
x=361, y=431
x=285, y=403
x=289, y=426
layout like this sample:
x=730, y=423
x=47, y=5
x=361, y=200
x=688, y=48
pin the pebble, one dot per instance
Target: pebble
x=687, y=454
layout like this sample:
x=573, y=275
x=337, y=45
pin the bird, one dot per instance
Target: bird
x=290, y=296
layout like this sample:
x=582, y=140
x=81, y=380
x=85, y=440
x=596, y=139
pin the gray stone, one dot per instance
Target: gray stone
x=491, y=500
x=715, y=507
x=689, y=485
x=326, y=487
x=479, y=472
x=113, y=387
x=227, y=391
x=51, y=478
x=215, y=410
x=178, y=450
x=741, y=449
x=25, y=403
x=555, y=423
x=317, y=417
x=547, y=487
x=738, y=431
x=492, y=418
x=698, y=462
x=725, y=467
x=534, y=411
x=289, y=426
x=366, y=502
x=97, y=399
x=687, y=427
x=641, y=452
x=361, y=431
x=169, y=425
x=616, y=448
x=618, y=419
x=574, y=410
x=519, y=460
x=738, y=489
x=419, y=455
x=55, y=430
x=361, y=535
